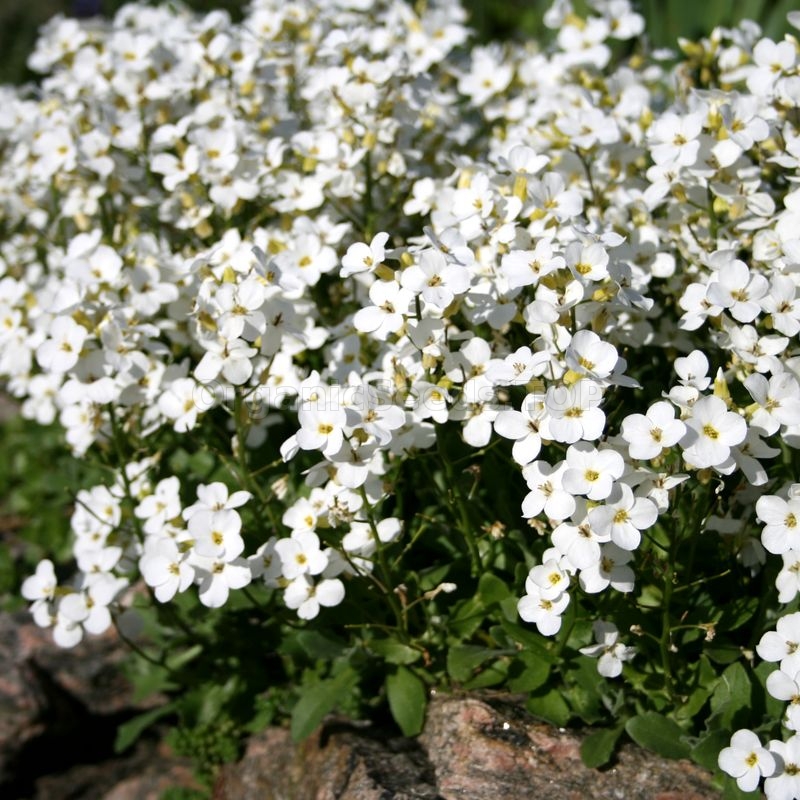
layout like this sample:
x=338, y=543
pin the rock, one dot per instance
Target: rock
x=49, y=692
x=471, y=747
x=338, y=762
x=142, y=773
x=484, y=751
x=59, y=711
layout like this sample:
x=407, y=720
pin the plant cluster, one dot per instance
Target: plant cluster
x=412, y=365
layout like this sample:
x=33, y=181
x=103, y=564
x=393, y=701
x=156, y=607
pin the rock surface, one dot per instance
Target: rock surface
x=59, y=711
x=471, y=748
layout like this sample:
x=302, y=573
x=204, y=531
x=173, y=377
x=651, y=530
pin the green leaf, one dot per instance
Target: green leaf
x=723, y=652
x=737, y=612
x=150, y=681
x=492, y=675
x=184, y=657
x=463, y=658
x=431, y=578
x=731, y=791
x=528, y=672
x=693, y=703
x=318, y=700
x=549, y=706
x=773, y=708
x=214, y=698
x=491, y=589
x=407, y=700
x=467, y=617
x=318, y=645
x=733, y=692
x=585, y=690
x=598, y=747
x=657, y=733
x=706, y=751
x=394, y=652
x=532, y=640
x=130, y=731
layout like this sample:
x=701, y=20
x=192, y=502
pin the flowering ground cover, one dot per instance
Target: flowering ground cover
x=416, y=364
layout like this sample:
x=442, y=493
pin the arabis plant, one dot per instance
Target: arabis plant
x=419, y=365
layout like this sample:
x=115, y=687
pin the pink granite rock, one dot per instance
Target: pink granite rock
x=471, y=747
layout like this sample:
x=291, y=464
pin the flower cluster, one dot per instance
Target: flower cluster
x=330, y=242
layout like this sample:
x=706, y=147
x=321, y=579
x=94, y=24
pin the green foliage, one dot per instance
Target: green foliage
x=407, y=697
x=208, y=744
x=657, y=733
x=667, y=20
x=39, y=479
x=597, y=748
x=184, y=793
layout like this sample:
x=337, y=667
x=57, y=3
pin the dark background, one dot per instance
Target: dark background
x=493, y=19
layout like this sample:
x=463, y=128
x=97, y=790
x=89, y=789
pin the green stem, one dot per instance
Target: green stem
x=665, y=641
x=369, y=211
x=454, y=493
x=386, y=575
x=158, y=662
x=116, y=437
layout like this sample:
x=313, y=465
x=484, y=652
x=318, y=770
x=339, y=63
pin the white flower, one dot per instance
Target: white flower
x=300, y=554
x=548, y=579
x=307, y=597
x=241, y=309
x=588, y=355
x=747, y=760
x=182, y=401
x=435, y=279
x=738, y=291
x=360, y=539
x=217, y=578
x=162, y=505
x=592, y=472
x=387, y=314
x=610, y=650
x=783, y=305
x=788, y=580
x=610, y=570
x=60, y=352
x=321, y=428
x=771, y=61
x=782, y=518
x=544, y=612
x=649, y=434
x=778, y=399
x=88, y=608
x=623, y=516
x=231, y=358
x=782, y=644
x=553, y=200
x=674, y=139
x=165, y=568
x=693, y=370
x=526, y=267
x=574, y=411
x=266, y=564
x=577, y=540
x=41, y=586
x=587, y=262
x=711, y=432
x=217, y=534
x=523, y=428
x=547, y=492
x=784, y=783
